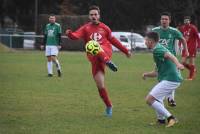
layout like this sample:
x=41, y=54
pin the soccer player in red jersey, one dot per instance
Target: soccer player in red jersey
x=98, y=31
x=190, y=33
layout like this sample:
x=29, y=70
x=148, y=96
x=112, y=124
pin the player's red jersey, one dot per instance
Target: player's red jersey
x=100, y=33
x=190, y=33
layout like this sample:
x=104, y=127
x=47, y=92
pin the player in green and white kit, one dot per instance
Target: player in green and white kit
x=169, y=78
x=52, y=40
x=168, y=36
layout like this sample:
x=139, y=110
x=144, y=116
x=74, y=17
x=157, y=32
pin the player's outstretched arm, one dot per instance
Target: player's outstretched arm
x=70, y=34
x=78, y=34
x=151, y=74
x=129, y=54
x=118, y=45
x=174, y=59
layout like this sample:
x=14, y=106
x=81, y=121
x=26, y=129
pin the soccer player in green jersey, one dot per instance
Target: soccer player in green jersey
x=169, y=77
x=52, y=41
x=168, y=36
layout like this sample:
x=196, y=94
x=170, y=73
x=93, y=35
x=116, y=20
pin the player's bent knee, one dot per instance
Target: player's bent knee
x=149, y=99
x=49, y=59
x=100, y=87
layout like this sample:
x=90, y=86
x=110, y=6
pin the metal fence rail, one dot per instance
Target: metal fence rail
x=10, y=39
x=19, y=35
x=32, y=41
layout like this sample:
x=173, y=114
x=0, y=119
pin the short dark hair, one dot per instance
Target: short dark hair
x=166, y=14
x=52, y=15
x=187, y=17
x=153, y=35
x=94, y=7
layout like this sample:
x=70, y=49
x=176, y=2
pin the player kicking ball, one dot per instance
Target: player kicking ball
x=99, y=32
x=169, y=77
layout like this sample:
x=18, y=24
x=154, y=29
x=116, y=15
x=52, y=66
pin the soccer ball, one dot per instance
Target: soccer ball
x=92, y=47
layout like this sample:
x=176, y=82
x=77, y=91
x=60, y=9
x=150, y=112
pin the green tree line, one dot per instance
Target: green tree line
x=118, y=14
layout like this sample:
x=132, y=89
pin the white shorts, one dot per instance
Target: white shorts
x=51, y=50
x=163, y=89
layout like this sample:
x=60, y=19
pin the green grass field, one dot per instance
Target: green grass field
x=32, y=103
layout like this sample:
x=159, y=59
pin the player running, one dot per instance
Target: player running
x=98, y=31
x=190, y=33
x=169, y=78
x=168, y=36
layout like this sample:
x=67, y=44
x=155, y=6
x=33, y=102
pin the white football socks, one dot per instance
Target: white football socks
x=50, y=67
x=160, y=116
x=57, y=64
x=160, y=109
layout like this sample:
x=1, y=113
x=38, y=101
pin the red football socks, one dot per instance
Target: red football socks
x=186, y=66
x=104, y=95
x=192, y=71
